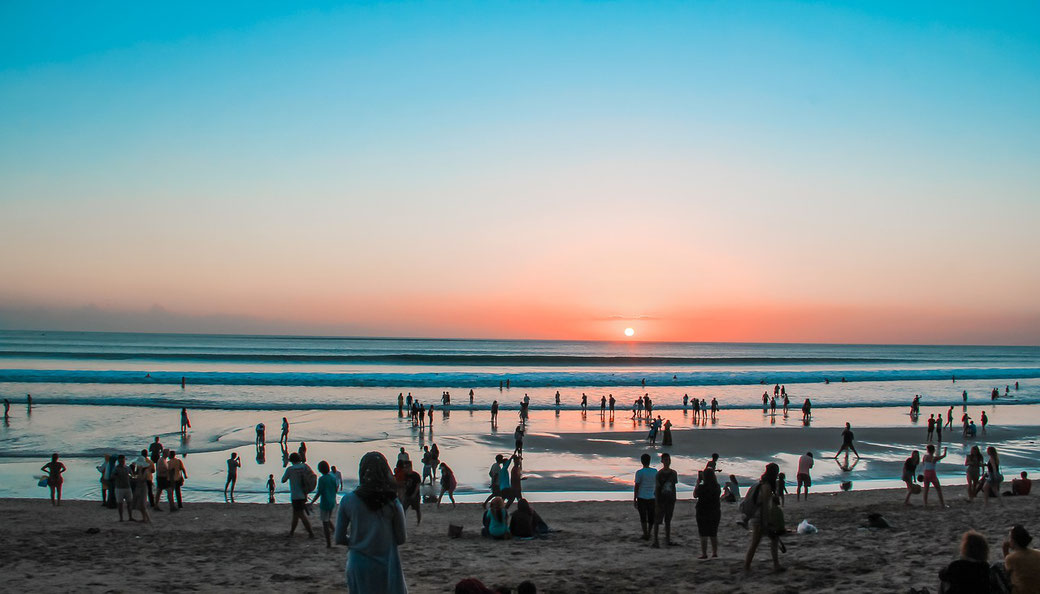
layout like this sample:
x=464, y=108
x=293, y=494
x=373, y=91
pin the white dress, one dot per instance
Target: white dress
x=373, y=563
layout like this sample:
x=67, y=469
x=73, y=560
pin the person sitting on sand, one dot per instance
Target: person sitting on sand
x=708, y=511
x=326, y=491
x=294, y=475
x=526, y=523
x=970, y=573
x=646, y=481
x=664, y=499
x=496, y=521
x=931, y=478
x=910, y=475
x=763, y=495
x=448, y=485
x=55, y=480
x=371, y=522
x=1022, y=485
x=846, y=442
x=731, y=490
x=1021, y=563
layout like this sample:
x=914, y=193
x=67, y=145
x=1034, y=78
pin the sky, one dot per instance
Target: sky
x=697, y=171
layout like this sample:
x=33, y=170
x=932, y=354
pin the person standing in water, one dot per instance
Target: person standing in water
x=846, y=442
x=494, y=413
x=233, y=464
x=185, y=423
x=54, y=478
x=285, y=431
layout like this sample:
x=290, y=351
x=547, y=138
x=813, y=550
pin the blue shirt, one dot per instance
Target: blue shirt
x=327, y=492
x=503, y=475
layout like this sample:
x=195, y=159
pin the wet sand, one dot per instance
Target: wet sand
x=219, y=547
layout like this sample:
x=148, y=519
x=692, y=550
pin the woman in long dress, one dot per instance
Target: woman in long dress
x=371, y=522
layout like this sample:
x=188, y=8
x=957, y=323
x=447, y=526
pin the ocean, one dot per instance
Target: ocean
x=107, y=392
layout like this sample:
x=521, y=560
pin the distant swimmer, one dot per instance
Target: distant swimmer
x=185, y=423
x=846, y=442
x=1016, y=386
x=843, y=380
x=826, y=380
x=507, y=384
x=557, y=398
x=471, y=395
x=28, y=400
x=182, y=382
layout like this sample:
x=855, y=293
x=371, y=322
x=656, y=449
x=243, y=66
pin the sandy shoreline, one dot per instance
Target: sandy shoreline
x=221, y=547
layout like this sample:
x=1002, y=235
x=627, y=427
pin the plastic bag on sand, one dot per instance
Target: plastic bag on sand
x=806, y=528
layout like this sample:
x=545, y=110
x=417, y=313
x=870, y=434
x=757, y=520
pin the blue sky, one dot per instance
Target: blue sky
x=781, y=155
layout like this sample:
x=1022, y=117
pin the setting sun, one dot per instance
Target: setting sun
x=629, y=332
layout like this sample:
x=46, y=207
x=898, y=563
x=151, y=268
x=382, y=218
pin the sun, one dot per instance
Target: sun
x=630, y=332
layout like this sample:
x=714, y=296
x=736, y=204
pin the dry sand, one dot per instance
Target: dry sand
x=240, y=547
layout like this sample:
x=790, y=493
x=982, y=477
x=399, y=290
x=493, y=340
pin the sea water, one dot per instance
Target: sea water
x=107, y=392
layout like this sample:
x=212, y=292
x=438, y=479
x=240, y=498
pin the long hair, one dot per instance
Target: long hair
x=376, y=484
x=769, y=477
x=992, y=451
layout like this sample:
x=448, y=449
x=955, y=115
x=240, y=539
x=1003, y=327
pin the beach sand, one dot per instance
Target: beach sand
x=243, y=547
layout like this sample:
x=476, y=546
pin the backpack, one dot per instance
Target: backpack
x=310, y=480
x=749, y=506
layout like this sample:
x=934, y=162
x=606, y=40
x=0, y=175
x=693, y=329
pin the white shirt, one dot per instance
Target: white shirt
x=645, y=481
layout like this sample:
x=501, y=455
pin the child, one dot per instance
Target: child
x=270, y=488
x=326, y=491
x=781, y=487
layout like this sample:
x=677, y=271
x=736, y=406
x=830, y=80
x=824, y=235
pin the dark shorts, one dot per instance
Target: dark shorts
x=646, y=510
x=804, y=479
x=299, y=505
x=664, y=509
x=162, y=483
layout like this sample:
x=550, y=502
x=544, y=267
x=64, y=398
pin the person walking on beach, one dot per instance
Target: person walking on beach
x=805, y=464
x=644, y=495
x=54, y=469
x=494, y=413
x=931, y=478
x=233, y=464
x=270, y=488
x=518, y=439
x=664, y=499
x=261, y=436
x=295, y=475
x=448, y=484
x=764, y=501
x=806, y=411
x=185, y=423
x=931, y=427
x=910, y=475
x=284, y=438
x=371, y=523
x=7, y=408
x=985, y=421
x=176, y=475
x=326, y=492
x=412, y=492
x=708, y=511
x=846, y=442
x=949, y=418
x=584, y=402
